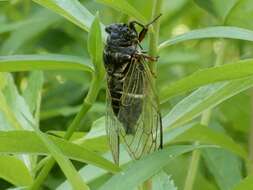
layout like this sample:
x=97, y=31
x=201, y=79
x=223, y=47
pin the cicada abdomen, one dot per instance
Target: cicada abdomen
x=132, y=107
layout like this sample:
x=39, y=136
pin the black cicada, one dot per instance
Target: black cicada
x=133, y=110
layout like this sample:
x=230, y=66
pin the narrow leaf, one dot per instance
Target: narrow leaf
x=241, y=14
x=32, y=92
x=19, y=142
x=14, y=171
x=217, y=8
x=65, y=164
x=95, y=46
x=162, y=181
x=211, y=32
x=204, y=98
x=226, y=175
x=43, y=62
x=124, y=7
x=224, y=166
x=72, y=10
x=141, y=170
x=237, y=70
x=40, y=22
x=207, y=135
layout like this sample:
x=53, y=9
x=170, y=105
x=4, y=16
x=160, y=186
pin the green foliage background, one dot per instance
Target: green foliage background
x=52, y=95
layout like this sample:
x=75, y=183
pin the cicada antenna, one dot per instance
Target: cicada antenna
x=144, y=30
x=154, y=20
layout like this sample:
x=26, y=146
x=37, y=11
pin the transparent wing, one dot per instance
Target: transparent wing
x=112, y=126
x=140, y=109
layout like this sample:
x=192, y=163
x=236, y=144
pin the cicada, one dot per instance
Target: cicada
x=133, y=114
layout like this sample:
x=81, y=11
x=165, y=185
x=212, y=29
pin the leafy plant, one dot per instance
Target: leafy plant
x=52, y=95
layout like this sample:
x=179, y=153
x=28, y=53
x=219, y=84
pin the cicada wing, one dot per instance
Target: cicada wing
x=140, y=103
x=112, y=129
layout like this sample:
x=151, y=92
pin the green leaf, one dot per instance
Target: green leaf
x=97, y=129
x=65, y=164
x=14, y=171
x=241, y=15
x=26, y=119
x=171, y=8
x=8, y=27
x=95, y=47
x=219, y=9
x=124, y=7
x=21, y=142
x=99, y=145
x=12, y=105
x=59, y=111
x=211, y=32
x=43, y=62
x=41, y=21
x=143, y=169
x=223, y=165
x=178, y=169
x=237, y=70
x=89, y=173
x=207, y=135
x=96, y=139
x=245, y=184
x=72, y=10
x=32, y=93
x=239, y=117
x=162, y=181
x=204, y=98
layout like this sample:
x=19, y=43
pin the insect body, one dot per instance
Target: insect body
x=133, y=113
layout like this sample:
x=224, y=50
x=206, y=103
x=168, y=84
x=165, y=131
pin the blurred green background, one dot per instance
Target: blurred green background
x=27, y=28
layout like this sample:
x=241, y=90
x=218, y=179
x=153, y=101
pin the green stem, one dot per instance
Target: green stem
x=154, y=34
x=194, y=164
x=220, y=52
x=250, y=162
x=153, y=51
x=192, y=172
x=205, y=119
x=88, y=102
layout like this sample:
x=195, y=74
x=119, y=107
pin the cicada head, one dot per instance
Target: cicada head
x=121, y=33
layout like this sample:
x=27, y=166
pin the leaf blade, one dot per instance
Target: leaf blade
x=95, y=46
x=232, y=71
x=71, y=10
x=211, y=32
x=9, y=165
x=204, y=98
x=18, y=142
x=142, y=169
x=43, y=62
x=125, y=7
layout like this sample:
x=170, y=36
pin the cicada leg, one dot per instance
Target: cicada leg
x=143, y=56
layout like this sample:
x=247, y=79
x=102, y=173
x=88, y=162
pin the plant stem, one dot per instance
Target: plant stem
x=193, y=168
x=205, y=119
x=153, y=51
x=154, y=34
x=250, y=163
x=88, y=102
